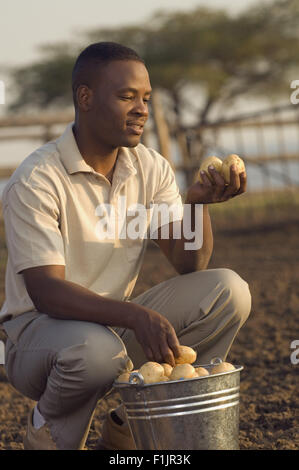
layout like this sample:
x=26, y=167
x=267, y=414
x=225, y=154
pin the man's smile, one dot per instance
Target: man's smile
x=135, y=127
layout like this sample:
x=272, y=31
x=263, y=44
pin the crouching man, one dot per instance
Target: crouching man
x=71, y=324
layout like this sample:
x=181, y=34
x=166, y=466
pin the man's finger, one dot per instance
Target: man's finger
x=158, y=356
x=174, y=344
x=148, y=352
x=243, y=182
x=233, y=187
x=216, y=176
x=243, y=185
x=168, y=346
x=205, y=179
x=167, y=355
x=218, y=183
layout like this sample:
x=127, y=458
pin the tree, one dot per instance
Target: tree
x=46, y=82
x=222, y=56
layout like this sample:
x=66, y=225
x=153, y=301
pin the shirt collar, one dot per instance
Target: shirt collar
x=74, y=162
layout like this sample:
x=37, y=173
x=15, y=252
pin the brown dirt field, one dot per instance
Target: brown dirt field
x=268, y=260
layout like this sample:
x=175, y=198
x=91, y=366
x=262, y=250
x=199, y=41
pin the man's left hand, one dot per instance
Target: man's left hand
x=209, y=192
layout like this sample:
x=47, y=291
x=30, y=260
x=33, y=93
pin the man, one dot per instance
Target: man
x=71, y=325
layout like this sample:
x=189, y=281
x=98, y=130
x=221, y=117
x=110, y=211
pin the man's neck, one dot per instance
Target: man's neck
x=101, y=160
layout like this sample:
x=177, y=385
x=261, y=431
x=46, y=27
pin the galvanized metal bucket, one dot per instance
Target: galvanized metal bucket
x=195, y=414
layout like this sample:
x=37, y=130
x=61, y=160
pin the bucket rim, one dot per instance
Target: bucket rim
x=238, y=368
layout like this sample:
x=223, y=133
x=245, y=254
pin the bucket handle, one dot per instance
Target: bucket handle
x=216, y=360
x=136, y=379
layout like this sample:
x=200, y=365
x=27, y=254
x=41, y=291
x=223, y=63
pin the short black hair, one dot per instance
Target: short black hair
x=95, y=55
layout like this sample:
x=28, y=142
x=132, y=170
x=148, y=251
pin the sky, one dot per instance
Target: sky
x=26, y=24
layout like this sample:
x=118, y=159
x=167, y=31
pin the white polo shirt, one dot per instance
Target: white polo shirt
x=53, y=213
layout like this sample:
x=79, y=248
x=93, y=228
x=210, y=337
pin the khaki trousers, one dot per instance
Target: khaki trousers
x=67, y=366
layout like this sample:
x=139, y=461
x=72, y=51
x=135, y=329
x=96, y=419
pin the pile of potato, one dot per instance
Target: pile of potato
x=223, y=167
x=153, y=372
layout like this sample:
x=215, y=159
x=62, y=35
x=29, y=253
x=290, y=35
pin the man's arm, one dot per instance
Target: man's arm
x=52, y=294
x=186, y=261
x=207, y=192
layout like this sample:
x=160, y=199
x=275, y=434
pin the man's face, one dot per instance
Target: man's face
x=119, y=103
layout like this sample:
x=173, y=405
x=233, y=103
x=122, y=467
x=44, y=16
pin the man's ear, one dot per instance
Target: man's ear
x=84, y=97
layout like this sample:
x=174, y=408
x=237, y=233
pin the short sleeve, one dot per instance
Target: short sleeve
x=31, y=218
x=167, y=201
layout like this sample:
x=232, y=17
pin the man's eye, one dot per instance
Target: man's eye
x=126, y=97
x=146, y=100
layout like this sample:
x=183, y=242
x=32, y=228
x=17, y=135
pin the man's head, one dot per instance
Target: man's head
x=111, y=88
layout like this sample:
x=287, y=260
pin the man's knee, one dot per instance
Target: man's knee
x=234, y=288
x=239, y=293
x=96, y=362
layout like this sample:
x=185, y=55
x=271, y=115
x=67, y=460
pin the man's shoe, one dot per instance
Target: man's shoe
x=38, y=439
x=115, y=436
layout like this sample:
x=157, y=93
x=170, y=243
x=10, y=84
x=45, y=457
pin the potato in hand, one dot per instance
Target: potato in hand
x=214, y=161
x=228, y=162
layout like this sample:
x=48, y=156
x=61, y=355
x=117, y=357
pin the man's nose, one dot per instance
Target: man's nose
x=141, y=108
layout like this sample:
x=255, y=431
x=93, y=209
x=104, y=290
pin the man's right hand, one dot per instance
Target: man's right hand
x=156, y=336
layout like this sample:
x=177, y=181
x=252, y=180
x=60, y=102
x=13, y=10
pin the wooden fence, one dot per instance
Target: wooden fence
x=273, y=161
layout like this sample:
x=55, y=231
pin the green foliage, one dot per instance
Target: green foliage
x=46, y=82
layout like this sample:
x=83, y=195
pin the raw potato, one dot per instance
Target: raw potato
x=167, y=368
x=152, y=372
x=231, y=160
x=123, y=377
x=164, y=379
x=215, y=161
x=222, y=367
x=201, y=371
x=187, y=355
x=182, y=371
